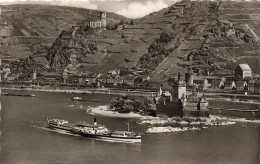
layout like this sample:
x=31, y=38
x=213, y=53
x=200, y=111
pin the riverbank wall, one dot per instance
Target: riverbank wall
x=86, y=91
x=235, y=109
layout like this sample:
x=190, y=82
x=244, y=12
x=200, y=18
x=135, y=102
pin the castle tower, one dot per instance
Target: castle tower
x=103, y=18
x=65, y=77
x=34, y=77
x=189, y=77
x=179, y=89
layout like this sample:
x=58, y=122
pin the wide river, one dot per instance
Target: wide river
x=26, y=140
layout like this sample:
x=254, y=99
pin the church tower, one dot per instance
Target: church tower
x=103, y=19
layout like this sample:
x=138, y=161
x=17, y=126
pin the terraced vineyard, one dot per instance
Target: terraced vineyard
x=201, y=35
x=23, y=28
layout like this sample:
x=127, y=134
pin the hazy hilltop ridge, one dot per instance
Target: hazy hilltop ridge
x=202, y=35
x=30, y=29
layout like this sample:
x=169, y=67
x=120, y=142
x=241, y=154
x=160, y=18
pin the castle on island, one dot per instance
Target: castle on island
x=178, y=103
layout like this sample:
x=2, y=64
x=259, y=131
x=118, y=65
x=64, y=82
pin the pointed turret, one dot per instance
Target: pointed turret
x=159, y=93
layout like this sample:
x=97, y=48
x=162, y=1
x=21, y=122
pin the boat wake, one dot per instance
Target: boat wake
x=117, y=141
x=57, y=131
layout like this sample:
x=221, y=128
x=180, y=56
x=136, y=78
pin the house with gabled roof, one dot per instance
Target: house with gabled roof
x=113, y=73
x=242, y=71
x=91, y=77
x=230, y=85
x=52, y=77
x=129, y=79
x=250, y=85
x=241, y=85
x=110, y=81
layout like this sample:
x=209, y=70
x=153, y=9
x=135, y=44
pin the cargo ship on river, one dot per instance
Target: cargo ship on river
x=94, y=131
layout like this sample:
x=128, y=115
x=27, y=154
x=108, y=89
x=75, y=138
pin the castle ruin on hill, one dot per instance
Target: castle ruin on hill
x=101, y=23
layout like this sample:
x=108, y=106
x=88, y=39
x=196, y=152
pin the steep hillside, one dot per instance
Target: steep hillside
x=29, y=29
x=216, y=36
x=206, y=36
x=246, y=48
x=203, y=35
x=120, y=46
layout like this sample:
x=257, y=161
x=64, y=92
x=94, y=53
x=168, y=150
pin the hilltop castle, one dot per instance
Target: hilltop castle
x=101, y=23
x=179, y=104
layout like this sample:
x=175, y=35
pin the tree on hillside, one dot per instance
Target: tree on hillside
x=165, y=38
x=122, y=22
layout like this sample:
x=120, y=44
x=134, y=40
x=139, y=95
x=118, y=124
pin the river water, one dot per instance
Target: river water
x=26, y=140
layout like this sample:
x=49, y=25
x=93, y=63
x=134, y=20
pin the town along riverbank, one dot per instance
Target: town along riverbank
x=217, y=106
x=106, y=91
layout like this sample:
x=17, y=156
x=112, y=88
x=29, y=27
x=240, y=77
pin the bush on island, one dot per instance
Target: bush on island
x=128, y=103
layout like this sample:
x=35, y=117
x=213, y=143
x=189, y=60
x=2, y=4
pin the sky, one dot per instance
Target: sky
x=127, y=8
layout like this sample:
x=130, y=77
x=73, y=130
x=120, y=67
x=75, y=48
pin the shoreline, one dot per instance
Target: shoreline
x=105, y=91
x=104, y=110
x=108, y=91
x=171, y=125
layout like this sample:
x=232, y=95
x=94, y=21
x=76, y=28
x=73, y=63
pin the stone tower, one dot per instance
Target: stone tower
x=179, y=89
x=103, y=18
x=34, y=77
x=65, y=77
x=189, y=77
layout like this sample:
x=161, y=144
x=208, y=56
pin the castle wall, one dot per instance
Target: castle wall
x=195, y=113
x=233, y=105
x=236, y=114
x=169, y=109
x=96, y=24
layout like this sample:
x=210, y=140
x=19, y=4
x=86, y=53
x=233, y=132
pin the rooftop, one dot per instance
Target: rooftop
x=244, y=67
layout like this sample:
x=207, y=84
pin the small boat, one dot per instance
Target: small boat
x=94, y=131
x=78, y=99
